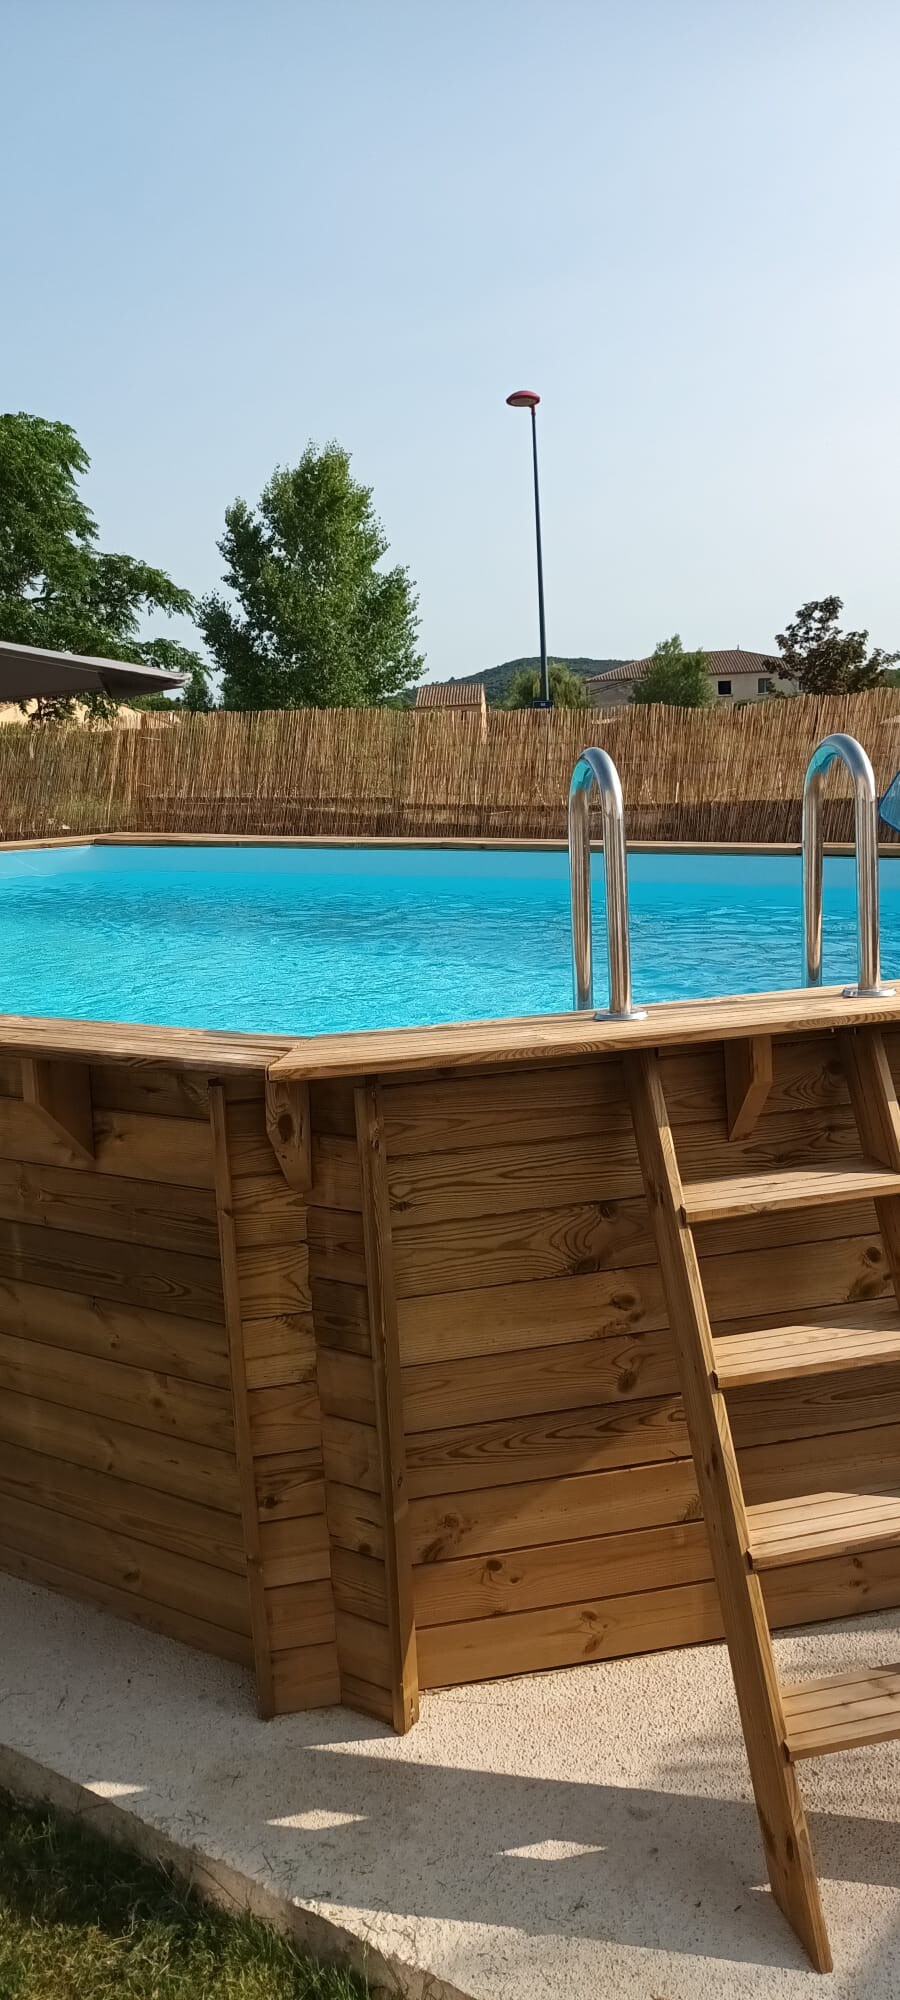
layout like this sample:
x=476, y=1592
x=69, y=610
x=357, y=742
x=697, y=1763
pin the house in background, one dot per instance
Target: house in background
x=452, y=694
x=735, y=676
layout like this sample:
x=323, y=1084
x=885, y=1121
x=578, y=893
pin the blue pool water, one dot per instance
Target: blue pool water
x=305, y=941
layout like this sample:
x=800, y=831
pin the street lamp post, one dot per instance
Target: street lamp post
x=526, y=399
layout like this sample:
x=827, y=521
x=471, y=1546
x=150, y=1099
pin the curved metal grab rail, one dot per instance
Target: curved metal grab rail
x=595, y=767
x=865, y=809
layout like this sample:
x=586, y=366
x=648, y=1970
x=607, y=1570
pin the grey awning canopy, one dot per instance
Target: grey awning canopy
x=28, y=671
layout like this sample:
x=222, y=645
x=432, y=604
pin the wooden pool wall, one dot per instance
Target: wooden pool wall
x=363, y=1377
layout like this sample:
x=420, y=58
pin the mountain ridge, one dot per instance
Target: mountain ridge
x=497, y=679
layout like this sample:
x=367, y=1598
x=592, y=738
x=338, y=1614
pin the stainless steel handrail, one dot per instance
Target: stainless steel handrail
x=865, y=810
x=595, y=767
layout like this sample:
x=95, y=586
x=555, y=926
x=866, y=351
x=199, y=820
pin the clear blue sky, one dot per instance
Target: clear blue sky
x=228, y=228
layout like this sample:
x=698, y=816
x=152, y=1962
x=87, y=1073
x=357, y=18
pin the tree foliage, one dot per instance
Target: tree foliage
x=317, y=623
x=57, y=589
x=567, y=690
x=676, y=677
x=822, y=659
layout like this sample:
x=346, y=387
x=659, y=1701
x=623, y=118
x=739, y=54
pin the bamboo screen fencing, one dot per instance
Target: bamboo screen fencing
x=719, y=774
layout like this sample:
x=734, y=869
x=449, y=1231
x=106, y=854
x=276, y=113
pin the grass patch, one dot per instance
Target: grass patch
x=84, y=1919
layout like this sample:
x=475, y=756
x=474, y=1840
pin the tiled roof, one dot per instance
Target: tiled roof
x=723, y=665
x=451, y=694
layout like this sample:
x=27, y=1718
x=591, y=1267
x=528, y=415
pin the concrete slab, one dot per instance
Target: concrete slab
x=588, y=1833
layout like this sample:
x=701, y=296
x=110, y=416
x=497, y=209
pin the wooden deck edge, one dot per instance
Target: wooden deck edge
x=561, y=1038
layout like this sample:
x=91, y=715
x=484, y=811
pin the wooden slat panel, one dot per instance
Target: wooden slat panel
x=133, y=1211
x=274, y=1278
x=165, y=1618
x=351, y=1454
x=359, y=1585
x=341, y=1315
x=542, y=1512
x=197, y=1588
x=285, y=1418
x=150, y=1148
x=491, y=1180
x=165, y=1280
x=555, y=1573
x=596, y=1439
x=332, y=1108
x=138, y=1396
x=440, y=1394
x=364, y=1651
x=164, y=1091
x=294, y=1550
x=300, y=1614
x=356, y=1520
x=346, y=1386
x=568, y=1635
x=116, y=1331
x=289, y=1484
x=266, y=1210
x=151, y=1458
x=445, y=1114
x=494, y=1518
x=167, y=1520
x=268, y=1363
x=304, y=1677
x=607, y=1436
x=467, y=1253
x=510, y=1317
x=336, y=1249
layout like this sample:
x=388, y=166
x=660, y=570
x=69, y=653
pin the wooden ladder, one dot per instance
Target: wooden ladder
x=781, y=1723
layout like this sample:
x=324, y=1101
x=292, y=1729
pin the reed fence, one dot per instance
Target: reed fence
x=720, y=774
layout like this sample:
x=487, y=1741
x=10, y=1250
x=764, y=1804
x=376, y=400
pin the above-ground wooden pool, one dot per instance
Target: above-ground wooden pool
x=349, y=1359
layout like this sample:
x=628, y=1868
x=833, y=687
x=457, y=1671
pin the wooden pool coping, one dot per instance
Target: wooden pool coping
x=458, y=1045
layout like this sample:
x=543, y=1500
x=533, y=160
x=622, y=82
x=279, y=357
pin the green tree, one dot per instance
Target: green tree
x=675, y=677
x=567, y=690
x=317, y=623
x=822, y=659
x=57, y=589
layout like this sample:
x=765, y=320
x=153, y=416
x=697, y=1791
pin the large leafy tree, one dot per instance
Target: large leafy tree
x=679, y=678
x=316, y=623
x=57, y=588
x=567, y=690
x=822, y=659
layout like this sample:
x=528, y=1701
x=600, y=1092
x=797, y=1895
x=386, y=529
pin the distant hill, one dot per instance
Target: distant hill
x=497, y=679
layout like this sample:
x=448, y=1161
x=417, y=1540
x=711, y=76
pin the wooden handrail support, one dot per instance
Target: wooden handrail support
x=288, y=1126
x=61, y=1094
x=748, y=1081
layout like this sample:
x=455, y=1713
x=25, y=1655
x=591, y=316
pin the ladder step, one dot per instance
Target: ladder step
x=822, y=1524
x=842, y=1711
x=821, y=1343
x=794, y=1187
